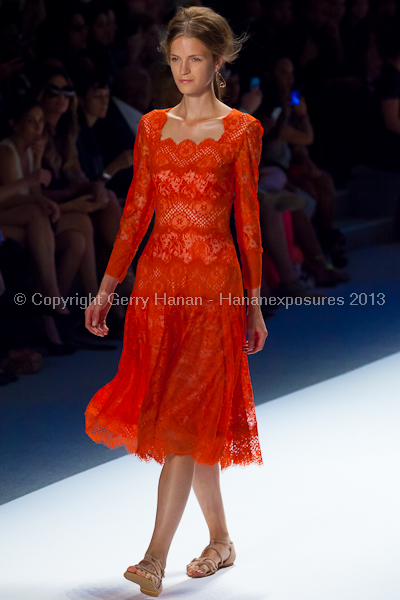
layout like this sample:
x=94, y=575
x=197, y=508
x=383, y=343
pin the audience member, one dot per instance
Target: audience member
x=165, y=92
x=64, y=37
x=91, y=201
x=101, y=19
x=385, y=152
x=293, y=129
x=94, y=98
x=346, y=57
x=25, y=211
x=130, y=99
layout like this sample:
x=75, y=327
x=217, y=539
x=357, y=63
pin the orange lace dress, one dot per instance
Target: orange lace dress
x=183, y=384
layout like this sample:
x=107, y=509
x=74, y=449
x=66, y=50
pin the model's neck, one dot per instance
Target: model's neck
x=193, y=108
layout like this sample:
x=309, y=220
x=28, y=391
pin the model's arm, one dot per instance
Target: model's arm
x=135, y=220
x=247, y=220
x=138, y=210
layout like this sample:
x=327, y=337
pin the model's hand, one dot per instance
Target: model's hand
x=256, y=330
x=96, y=313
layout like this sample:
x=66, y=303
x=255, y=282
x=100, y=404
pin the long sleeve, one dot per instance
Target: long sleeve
x=246, y=206
x=138, y=210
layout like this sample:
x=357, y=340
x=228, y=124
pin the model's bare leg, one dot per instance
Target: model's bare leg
x=206, y=486
x=173, y=492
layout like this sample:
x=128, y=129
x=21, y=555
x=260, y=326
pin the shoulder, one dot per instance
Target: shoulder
x=151, y=120
x=6, y=154
x=8, y=167
x=246, y=124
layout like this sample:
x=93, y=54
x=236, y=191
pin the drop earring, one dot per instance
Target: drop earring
x=220, y=80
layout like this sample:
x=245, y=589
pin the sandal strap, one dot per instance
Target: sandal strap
x=203, y=560
x=159, y=571
x=213, y=547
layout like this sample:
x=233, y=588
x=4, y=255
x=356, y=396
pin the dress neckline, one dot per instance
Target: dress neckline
x=188, y=140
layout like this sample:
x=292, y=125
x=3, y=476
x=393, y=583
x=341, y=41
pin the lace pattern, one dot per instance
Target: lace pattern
x=183, y=383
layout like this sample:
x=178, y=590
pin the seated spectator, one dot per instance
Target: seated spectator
x=287, y=149
x=14, y=63
x=94, y=98
x=93, y=207
x=64, y=37
x=165, y=90
x=248, y=101
x=151, y=53
x=130, y=99
x=101, y=19
x=356, y=29
x=385, y=142
x=133, y=42
x=272, y=199
x=25, y=211
x=19, y=328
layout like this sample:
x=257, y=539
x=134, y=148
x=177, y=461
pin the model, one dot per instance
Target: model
x=182, y=395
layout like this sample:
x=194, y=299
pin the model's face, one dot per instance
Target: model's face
x=30, y=127
x=96, y=102
x=192, y=65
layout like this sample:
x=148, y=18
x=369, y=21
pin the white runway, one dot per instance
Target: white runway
x=319, y=521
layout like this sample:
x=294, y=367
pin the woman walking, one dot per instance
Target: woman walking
x=183, y=395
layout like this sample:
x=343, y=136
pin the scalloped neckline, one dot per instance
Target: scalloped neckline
x=164, y=114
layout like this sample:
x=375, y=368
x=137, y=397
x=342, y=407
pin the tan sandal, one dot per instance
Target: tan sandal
x=209, y=562
x=153, y=586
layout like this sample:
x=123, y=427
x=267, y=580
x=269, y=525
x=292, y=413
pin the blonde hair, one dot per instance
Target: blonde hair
x=210, y=28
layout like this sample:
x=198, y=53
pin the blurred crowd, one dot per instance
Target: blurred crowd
x=322, y=76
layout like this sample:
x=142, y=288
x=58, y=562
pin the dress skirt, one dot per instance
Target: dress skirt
x=183, y=383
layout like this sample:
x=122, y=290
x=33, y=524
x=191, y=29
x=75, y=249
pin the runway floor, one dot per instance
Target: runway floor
x=318, y=521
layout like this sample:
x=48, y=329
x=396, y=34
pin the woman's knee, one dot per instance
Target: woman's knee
x=180, y=458
x=113, y=205
x=71, y=241
x=34, y=214
x=82, y=223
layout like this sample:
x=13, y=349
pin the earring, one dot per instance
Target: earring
x=220, y=80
